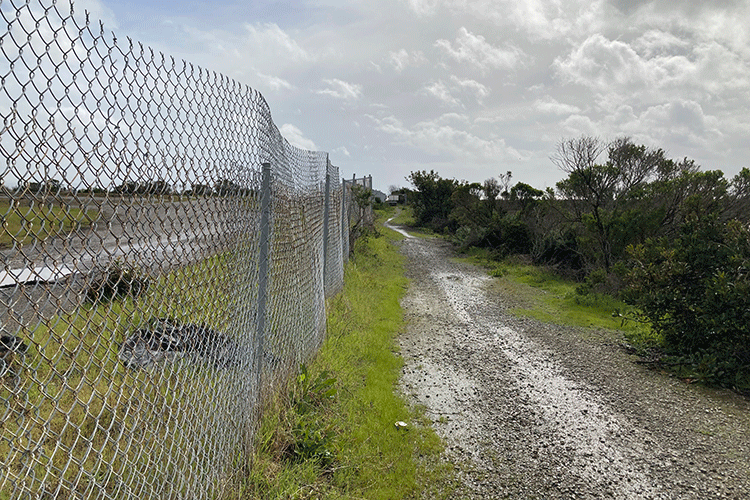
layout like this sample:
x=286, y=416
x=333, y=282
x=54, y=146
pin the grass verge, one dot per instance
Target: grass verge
x=542, y=294
x=23, y=224
x=74, y=421
x=334, y=433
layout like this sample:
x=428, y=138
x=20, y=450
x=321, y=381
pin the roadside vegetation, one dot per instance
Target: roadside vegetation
x=656, y=246
x=340, y=429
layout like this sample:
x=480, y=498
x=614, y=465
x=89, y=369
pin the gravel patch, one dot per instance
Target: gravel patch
x=535, y=410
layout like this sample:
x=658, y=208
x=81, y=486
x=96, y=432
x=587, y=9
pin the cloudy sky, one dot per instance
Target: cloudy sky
x=471, y=89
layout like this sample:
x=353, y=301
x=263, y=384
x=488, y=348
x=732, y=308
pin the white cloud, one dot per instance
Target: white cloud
x=576, y=125
x=401, y=59
x=441, y=91
x=275, y=83
x=657, y=42
x=341, y=150
x=446, y=93
x=682, y=122
x=475, y=50
x=453, y=118
x=619, y=73
x=724, y=21
x=679, y=123
x=268, y=40
x=602, y=64
x=296, y=137
x=479, y=90
x=341, y=89
x=423, y=7
x=550, y=105
x=536, y=19
x=440, y=137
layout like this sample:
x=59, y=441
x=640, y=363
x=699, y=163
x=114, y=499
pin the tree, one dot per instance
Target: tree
x=432, y=201
x=225, y=187
x=468, y=212
x=601, y=193
x=491, y=190
x=199, y=189
x=505, y=184
x=362, y=198
x=740, y=195
x=524, y=194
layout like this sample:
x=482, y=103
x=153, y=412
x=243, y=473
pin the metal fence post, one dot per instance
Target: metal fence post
x=263, y=266
x=344, y=222
x=326, y=216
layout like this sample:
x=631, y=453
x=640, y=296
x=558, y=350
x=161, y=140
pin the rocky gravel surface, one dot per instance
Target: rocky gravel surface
x=535, y=410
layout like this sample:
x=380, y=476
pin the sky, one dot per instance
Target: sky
x=471, y=89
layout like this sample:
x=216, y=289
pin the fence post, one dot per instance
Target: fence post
x=326, y=216
x=263, y=265
x=344, y=222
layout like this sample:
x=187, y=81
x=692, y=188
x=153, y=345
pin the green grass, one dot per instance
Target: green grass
x=370, y=457
x=31, y=222
x=76, y=417
x=542, y=294
x=404, y=216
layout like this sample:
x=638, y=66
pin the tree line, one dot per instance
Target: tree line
x=664, y=235
x=159, y=187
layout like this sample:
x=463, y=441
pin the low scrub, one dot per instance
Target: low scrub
x=694, y=290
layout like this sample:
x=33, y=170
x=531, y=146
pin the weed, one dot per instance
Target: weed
x=312, y=436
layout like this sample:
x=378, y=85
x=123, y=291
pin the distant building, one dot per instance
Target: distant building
x=379, y=195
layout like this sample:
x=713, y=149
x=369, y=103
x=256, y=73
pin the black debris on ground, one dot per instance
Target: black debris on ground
x=170, y=340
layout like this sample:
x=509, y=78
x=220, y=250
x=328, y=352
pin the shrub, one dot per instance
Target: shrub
x=507, y=236
x=311, y=438
x=116, y=281
x=559, y=251
x=695, y=291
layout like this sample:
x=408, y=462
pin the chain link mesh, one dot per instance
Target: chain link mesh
x=166, y=255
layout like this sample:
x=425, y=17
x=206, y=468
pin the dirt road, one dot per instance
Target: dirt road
x=534, y=410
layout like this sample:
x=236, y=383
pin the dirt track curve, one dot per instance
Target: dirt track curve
x=535, y=410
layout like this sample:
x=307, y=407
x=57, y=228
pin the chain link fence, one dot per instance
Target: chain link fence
x=166, y=256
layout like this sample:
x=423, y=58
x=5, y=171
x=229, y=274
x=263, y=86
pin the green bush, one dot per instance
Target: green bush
x=694, y=289
x=507, y=235
x=558, y=250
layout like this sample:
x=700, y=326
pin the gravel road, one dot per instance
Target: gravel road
x=535, y=410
